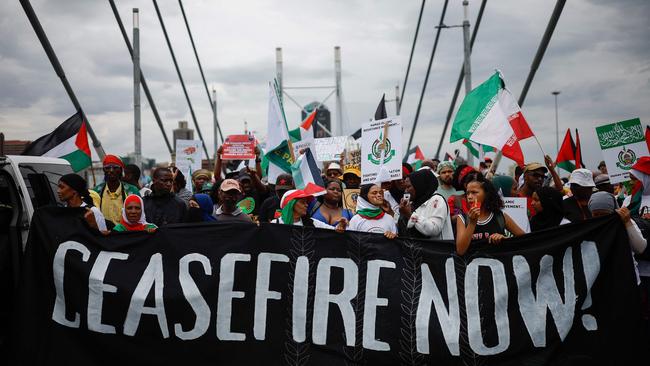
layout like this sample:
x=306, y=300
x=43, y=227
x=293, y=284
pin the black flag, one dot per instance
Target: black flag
x=380, y=113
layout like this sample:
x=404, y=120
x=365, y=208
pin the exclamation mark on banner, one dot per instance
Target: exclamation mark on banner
x=591, y=266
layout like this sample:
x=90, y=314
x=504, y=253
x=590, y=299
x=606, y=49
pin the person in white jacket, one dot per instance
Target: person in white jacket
x=425, y=214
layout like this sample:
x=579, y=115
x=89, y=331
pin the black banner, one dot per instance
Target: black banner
x=208, y=294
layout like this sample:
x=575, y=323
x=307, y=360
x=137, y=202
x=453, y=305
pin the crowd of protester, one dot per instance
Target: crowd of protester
x=447, y=200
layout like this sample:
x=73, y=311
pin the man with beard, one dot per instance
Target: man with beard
x=229, y=194
x=162, y=207
x=113, y=190
x=446, y=179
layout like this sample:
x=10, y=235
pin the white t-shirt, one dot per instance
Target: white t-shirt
x=99, y=217
x=382, y=225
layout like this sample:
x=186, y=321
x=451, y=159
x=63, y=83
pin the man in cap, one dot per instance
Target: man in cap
x=199, y=178
x=352, y=177
x=576, y=207
x=446, y=179
x=333, y=171
x=272, y=204
x=603, y=183
x=113, y=190
x=230, y=193
x=534, y=176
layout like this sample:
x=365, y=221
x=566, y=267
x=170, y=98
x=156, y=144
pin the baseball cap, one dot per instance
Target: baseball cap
x=352, y=170
x=243, y=176
x=534, y=166
x=284, y=181
x=582, y=177
x=229, y=185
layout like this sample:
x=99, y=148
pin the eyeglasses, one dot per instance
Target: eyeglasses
x=112, y=167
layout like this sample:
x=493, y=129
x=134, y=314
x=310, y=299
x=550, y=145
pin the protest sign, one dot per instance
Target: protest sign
x=330, y=148
x=238, y=147
x=350, y=199
x=622, y=144
x=188, y=159
x=516, y=208
x=242, y=294
x=303, y=145
x=372, y=137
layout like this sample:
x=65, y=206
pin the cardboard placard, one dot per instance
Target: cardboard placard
x=188, y=159
x=350, y=199
x=516, y=208
x=238, y=147
x=622, y=144
x=330, y=148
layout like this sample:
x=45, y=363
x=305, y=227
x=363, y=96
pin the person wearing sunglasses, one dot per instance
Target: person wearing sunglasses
x=534, y=179
x=113, y=191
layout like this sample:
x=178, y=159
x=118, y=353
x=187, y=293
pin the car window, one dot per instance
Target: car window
x=42, y=181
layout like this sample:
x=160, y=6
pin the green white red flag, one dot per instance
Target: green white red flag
x=490, y=115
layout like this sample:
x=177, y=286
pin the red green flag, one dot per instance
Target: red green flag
x=566, y=156
x=579, y=163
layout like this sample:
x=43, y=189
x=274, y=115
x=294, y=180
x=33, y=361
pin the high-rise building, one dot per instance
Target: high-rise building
x=183, y=132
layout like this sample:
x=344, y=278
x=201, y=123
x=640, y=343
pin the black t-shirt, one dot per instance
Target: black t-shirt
x=494, y=224
x=572, y=210
x=268, y=208
x=258, y=198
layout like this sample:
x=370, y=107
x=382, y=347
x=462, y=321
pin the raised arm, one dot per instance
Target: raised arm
x=551, y=168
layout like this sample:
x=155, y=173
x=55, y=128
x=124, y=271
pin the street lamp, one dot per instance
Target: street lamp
x=557, y=135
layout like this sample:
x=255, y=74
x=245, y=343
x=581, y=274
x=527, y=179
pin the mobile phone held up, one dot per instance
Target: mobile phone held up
x=407, y=197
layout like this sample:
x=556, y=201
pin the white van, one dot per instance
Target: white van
x=27, y=183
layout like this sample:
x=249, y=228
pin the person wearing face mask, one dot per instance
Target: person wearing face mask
x=370, y=216
x=425, y=214
x=133, y=217
x=230, y=193
x=485, y=219
x=294, y=205
x=582, y=186
x=162, y=207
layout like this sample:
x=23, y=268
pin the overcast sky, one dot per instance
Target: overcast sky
x=599, y=58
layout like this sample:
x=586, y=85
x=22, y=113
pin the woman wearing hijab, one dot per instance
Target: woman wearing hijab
x=505, y=185
x=370, y=217
x=330, y=209
x=485, y=219
x=201, y=209
x=293, y=207
x=133, y=218
x=73, y=191
x=547, y=203
x=425, y=214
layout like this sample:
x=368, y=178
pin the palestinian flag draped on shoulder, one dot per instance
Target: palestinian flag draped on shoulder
x=278, y=156
x=415, y=157
x=490, y=116
x=69, y=141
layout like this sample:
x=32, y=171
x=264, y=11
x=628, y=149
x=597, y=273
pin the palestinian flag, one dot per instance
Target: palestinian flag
x=647, y=136
x=306, y=173
x=566, y=156
x=380, y=112
x=579, y=163
x=449, y=157
x=69, y=141
x=306, y=130
x=490, y=115
x=415, y=157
